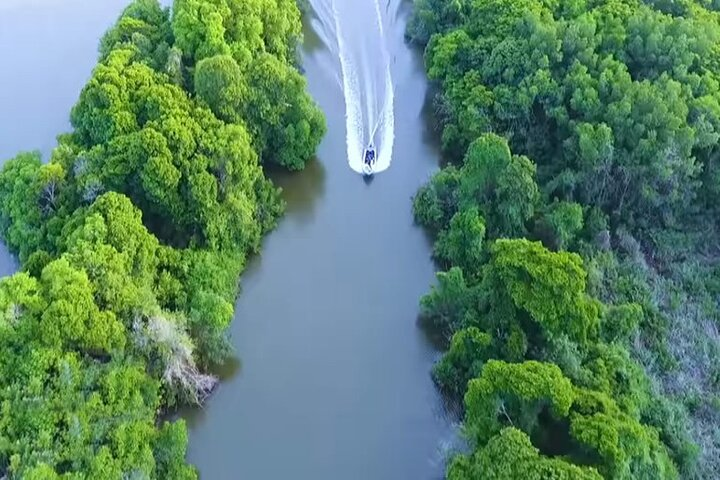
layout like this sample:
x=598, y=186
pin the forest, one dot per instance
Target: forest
x=131, y=238
x=575, y=221
x=575, y=224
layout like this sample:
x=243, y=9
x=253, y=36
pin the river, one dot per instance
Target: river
x=332, y=378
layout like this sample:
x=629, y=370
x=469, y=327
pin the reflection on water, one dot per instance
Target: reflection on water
x=301, y=190
x=49, y=49
x=227, y=371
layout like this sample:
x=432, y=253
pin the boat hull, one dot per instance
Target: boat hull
x=369, y=159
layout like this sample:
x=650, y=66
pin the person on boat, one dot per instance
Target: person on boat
x=369, y=155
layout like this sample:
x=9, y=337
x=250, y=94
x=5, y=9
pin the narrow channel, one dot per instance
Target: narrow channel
x=333, y=378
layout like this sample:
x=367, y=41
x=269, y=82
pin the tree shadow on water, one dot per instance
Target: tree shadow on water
x=300, y=190
x=195, y=415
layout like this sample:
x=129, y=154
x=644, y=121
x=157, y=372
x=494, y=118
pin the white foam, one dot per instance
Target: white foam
x=369, y=104
x=386, y=121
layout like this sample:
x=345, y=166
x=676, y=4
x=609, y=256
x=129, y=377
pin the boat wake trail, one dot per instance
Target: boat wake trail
x=356, y=33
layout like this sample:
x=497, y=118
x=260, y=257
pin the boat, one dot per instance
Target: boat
x=369, y=160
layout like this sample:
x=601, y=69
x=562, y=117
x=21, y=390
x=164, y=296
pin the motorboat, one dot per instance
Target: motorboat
x=369, y=160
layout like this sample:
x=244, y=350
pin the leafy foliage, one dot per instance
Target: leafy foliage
x=242, y=52
x=463, y=360
x=510, y=454
x=461, y=243
x=534, y=397
x=594, y=93
x=613, y=110
x=569, y=400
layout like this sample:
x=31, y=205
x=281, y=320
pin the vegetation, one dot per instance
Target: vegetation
x=580, y=296
x=133, y=236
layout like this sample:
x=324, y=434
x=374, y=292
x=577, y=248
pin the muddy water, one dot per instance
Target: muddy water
x=333, y=378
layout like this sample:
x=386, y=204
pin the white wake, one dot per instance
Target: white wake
x=356, y=32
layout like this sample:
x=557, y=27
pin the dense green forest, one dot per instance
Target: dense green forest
x=132, y=237
x=576, y=221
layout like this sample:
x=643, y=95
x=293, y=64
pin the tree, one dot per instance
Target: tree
x=534, y=398
x=616, y=103
x=560, y=225
x=29, y=202
x=70, y=317
x=145, y=25
x=189, y=172
x=463, y=360
x=462, y=243
x=199, y=28
x=436, y=203
x=502, y=185
x=109, y=241
x=620, y=322
x=524, y=283
x=286, y=123
x=435, y=16
x=133, y=236
x=515, y=394
x=577, y=89
x=449, y=302
x=510, y=455
x=623, y=446
x=244, y=53
x=220, y=82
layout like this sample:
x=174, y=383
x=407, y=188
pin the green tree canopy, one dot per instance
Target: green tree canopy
x=611, y=109
x=243, y=53
x=615, y=101
x=540, y=292
x=535, y=398
x=510, y=455
x=462, y=243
